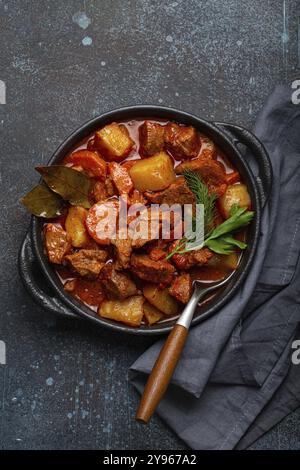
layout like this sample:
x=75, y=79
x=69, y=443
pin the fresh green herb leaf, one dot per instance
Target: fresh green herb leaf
x=240, y=218
x=233, y=241
x=71, y=185
x=225, y=245
x=42, y=202
x=202, y=195
x=221, y=240
x=220, y=246
x=234, y=208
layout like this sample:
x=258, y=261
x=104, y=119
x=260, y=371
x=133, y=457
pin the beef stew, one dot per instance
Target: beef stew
x=145, y=162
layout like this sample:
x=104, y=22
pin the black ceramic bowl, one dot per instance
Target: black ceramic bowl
x=39, y=276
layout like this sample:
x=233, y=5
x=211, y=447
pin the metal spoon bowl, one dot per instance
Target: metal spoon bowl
x=198, y=294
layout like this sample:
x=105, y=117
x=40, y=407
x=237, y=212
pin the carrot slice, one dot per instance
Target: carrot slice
x=101, y=221
x=89, y=161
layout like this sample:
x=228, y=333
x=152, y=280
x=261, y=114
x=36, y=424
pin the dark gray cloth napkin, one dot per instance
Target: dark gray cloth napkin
x=235, y=379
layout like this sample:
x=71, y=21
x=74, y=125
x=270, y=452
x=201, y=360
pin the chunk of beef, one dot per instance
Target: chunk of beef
x=211, y=171
x=99, y=193
x=110, y=187
x=157, y=254
x=185, y=261
x=192, y=165
x=121, y=178
x=157, y=249
x=57, y=243
x=177, y=193
x=153, y=271
x=161, y=244
x=151, y=138
x=123, y=249
x=182, y=141
x=181, y=288
x=117, y=284
x=152, y=225
x=208, y=149
x=87, y=263
x=202, y=256
x=145, y=228
x=136, y=198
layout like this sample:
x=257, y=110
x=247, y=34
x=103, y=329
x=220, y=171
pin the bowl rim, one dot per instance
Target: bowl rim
x=143, y=112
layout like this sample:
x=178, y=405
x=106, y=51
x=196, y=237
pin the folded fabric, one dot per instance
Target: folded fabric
x=233, y=378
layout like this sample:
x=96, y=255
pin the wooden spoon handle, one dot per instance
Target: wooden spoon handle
x=162, y=372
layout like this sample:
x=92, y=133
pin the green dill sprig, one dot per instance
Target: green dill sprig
x=202, y=196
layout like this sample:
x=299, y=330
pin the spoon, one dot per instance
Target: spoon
x=170, y=353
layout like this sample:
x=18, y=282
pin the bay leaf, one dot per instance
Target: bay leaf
x=42, y=202
x=71, y=185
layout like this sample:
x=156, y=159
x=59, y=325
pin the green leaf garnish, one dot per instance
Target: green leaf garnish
x=71, y=185
x=42, y=202
x=233, y=241
x=224, y=245
x=202, y=196
x=240, y=218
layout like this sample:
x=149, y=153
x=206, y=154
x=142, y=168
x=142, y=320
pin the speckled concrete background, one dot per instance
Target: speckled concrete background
x=65, y=384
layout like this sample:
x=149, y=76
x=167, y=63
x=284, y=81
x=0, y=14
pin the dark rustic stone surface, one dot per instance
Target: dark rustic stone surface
x=65, y=384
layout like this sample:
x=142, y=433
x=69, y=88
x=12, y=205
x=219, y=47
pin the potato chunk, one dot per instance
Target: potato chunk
x=99, y=192
x=161, y=299
x=236, y=194
x=151, y=313
x=75, y=226
x=153, y=173
x=129, y=311
x=230, y=262
x=114, y=142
